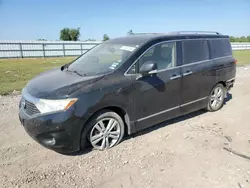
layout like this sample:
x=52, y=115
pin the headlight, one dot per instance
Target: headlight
x=46, y=106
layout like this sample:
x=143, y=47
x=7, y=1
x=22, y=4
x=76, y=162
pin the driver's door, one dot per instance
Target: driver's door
x=158, y=95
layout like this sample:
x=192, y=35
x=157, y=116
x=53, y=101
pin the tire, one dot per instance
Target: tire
x=216, y=98
x=105, y=130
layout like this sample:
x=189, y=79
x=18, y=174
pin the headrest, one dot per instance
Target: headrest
x=166, y=52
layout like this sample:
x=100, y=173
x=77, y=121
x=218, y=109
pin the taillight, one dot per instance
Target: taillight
x=235, y=61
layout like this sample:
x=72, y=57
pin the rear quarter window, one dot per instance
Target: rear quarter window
x=195, y=51
x=221, y=47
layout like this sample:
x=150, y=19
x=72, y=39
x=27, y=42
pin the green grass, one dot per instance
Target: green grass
x=242, y=56
x=15, y=73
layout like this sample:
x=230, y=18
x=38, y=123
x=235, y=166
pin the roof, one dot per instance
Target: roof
x=131, y=39
x=141, y=38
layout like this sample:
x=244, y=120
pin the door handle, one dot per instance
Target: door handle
x=175, y=77
x=187, y=73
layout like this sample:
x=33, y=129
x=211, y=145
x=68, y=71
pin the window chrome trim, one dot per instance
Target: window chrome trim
x=126, y=72
x=198, y=62
x=163, y=42
x=194, y=63
x=222, y=57
x=170, y=109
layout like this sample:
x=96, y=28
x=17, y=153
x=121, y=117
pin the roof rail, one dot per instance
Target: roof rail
x=146, y=33
x=196, y=32
x=182, y=32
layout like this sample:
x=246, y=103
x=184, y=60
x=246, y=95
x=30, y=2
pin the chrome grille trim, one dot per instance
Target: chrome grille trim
x=31, y=109
x=30, y=101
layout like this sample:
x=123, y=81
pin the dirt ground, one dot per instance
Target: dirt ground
x=186, y=152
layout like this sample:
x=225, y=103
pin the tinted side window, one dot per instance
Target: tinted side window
x=221, y=47
x=132, y=69
x=195, y=50
x=162, y=54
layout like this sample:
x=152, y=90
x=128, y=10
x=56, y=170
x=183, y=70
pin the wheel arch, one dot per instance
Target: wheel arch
x=122, y=113
x=221, y=82
x=128, y=129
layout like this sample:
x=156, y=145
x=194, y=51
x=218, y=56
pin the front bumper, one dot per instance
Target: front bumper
x=60, y=132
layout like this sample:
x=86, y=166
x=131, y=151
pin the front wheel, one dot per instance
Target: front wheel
x=107, y=130
x=216, y=98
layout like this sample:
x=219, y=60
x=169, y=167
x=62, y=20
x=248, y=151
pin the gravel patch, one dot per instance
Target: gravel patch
x=184, y=152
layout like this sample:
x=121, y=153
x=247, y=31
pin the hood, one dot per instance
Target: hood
x=55, y=84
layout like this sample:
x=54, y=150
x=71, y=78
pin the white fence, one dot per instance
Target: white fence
x=240, y=45
x=25, y=49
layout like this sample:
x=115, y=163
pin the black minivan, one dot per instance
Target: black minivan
x=125, y=85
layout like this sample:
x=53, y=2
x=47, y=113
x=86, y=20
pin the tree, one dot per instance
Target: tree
x=240, y=39
x=130, y=32
x=64, y=34
x=90, y=39
x=75, y=34
x=232, y=39
x=105, y=37
x=243, y=39
x=248, y=38
x=70, y=34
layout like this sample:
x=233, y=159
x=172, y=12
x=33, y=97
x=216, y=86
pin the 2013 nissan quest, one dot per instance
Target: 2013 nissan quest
x=125, y=85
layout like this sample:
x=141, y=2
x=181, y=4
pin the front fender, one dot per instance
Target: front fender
x=115, y=96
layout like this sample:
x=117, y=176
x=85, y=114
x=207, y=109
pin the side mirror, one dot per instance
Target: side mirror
x=148, y=67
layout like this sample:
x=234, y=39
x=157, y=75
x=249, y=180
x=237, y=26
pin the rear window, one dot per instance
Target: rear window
x=195, y=50
x=221, y=47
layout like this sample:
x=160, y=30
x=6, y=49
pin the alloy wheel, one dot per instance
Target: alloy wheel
x=105, y=133
x=216, y=98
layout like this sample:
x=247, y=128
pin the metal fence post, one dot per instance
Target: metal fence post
x=63, y=50
x=21, y=50
x=43, y=50
x=81, y=49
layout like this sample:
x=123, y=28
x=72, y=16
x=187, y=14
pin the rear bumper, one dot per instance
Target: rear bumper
x=60, y=132
x=230, y=83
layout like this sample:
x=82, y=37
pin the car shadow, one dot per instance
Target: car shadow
x=167, y=123
x=145, y=131
x=175, y=120
x=228, y=98
x=80, y=152
x=155, y=127
x=154, y=81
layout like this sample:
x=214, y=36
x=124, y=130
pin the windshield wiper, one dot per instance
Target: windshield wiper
x=74, y=71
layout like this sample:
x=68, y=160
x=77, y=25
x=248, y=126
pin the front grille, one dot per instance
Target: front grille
x=30, y=108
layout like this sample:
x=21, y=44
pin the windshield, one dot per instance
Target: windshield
x=104, y=58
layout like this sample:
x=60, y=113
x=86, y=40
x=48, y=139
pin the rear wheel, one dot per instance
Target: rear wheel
x=216, y=98
x=106, y=130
